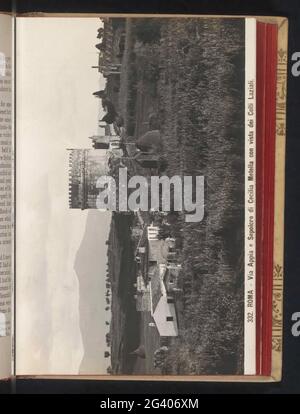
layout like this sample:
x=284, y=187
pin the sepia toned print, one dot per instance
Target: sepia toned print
x=174, y=106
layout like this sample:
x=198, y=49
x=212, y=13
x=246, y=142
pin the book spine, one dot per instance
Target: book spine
x=269, y=155
x=265, y=143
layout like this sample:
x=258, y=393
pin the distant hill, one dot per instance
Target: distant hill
x=90, y=267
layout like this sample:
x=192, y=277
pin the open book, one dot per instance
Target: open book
x=141, y=207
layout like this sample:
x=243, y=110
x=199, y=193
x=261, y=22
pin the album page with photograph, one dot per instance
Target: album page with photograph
x=149, y=197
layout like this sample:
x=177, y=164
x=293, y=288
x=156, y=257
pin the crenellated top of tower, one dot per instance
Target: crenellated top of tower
x=85, y=167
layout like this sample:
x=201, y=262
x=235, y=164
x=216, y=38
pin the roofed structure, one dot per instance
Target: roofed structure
x=162, y=306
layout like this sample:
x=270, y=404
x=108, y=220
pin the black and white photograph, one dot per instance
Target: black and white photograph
x=172, y=100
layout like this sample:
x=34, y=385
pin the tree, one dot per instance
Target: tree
x=109, y=370
x=147, y=30
x=100, y=32
x=108, y=339
x=106, y=354
x=101, y=46
x=107, y=308
x=107, y=323
x=164, y=232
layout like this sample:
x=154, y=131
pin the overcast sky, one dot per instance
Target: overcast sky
x=55, y=111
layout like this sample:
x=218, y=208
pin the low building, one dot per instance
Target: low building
x=152, y=232
x=107, y=128
x=171, y=278
x=100, y=141
x=158, y=251
x=162, y=306
x=147, y=160
x=108, y=141
x=142, y=296
x=143, y=302
x=141, y=287
x=115, y=144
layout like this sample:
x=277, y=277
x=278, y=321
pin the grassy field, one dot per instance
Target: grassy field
x=191, y=76
x=202, y=110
